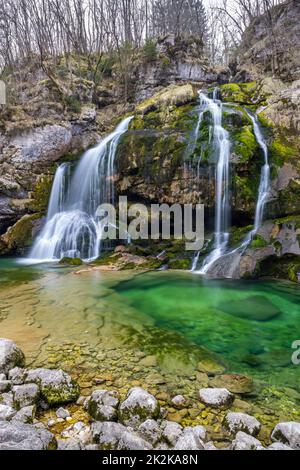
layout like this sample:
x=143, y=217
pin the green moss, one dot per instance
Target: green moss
x=60, y=395
x=258, y=242
x=281, y=152
x=71, y=261
x=239, y=233
x=41, y=194
x=72, y=104
x=244, y=143
x=19, y=236
x=289, y=198
x=107, y=259
x=180, y=264
x=285, y=267
x=244, y=93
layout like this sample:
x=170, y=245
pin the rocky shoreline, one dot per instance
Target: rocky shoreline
x=105, y=421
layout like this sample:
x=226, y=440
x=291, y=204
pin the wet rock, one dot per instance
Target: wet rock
x=112, y=436
x=5, y=386
x=216, y=397
x=235, y=383
x=242, y=422
x=6, y=412
x=179, y=401
x=287, y=433
x=19, y=436
x=171, y=432
x=254, y=307
x=148, y=361
x=56, y=386
x=10, y=355
x=245, y=442
x=190, y=439
x=210, y=367
x=150, y=431
x=138, y=406
x=26, y=415
x=25, y=395
x=102, y=405
x=278, y=446
x=17, y=375
x=62, y=413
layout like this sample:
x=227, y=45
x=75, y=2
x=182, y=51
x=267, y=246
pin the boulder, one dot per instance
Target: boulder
x=102, y=405
x=216, y=397
x=115, y=436
x=278, y=446
x=6, y=412
x=17, y=375
x=287, y=433
x=19, y=436
x=138, y=406
x=171, y=432
x=242, y=422
x=245, y=442
x=10, y=355
x=190, y=439
x=25, y=395
x=150, y=431
x=26, y=415
x=56, y=387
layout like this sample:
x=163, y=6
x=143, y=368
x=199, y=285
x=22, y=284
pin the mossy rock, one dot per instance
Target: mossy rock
x=19, y=236
x=180, y=264
x=71, y=261
x=41, y=193
x=244, y=93
x=284, y=267
x=174, y=95
x=245, y=145
x=258, y=242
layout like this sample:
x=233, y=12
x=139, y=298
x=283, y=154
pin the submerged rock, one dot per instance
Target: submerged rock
x=138, y=406
x=287, y=433
x=18, y=436
x=10, y=355
x=216, y=397
x=254, y=307
x=235, y=383
x=242, y=422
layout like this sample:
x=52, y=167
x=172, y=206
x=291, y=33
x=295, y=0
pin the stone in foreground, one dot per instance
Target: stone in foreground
x=18, y=436
x=138, y=406
x=171, y=432
x=102, y=405
x=56, y=386
x=25, y=395
x=245, y=442
x=287, y=433
x=242, y=422
x=216, y=397
x=10, y=355
x=115, y=436
x=191, y=439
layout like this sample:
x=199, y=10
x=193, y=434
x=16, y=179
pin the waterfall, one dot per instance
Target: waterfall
x=72, y=228
x=59, y=190
x=221, y=142
x=264, y=184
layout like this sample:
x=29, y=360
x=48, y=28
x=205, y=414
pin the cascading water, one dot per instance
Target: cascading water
x=221, y=143
x=72, y=227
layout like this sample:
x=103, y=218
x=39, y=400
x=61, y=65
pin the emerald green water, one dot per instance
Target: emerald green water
x=248, y=327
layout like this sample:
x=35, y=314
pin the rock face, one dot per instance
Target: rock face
x=18, y=436
x=10, y=355
x=273, y=45
x=216, y=397
x=138, y=406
